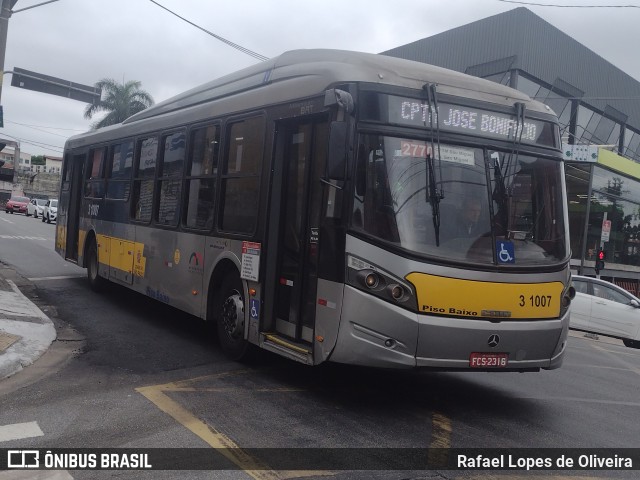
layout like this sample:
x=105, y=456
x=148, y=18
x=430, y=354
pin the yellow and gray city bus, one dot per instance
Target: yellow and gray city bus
x=336, y=206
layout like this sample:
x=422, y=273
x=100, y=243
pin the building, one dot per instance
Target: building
x=8, y=156
x=8, y=169
x=52, y=164
x=601, y=127
x=38, y=181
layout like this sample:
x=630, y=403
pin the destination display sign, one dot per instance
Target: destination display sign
x=473, y=121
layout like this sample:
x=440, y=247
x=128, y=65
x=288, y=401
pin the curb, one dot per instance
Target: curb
x=25, y=331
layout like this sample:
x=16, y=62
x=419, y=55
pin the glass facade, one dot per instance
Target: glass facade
x=590, y=126
x=595, y=193
x=614, y=198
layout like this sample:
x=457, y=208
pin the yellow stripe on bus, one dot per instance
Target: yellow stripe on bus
x=469, y=298
x=122, y=254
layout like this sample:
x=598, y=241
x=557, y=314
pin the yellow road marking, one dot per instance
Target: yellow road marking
x=440, y=441
x=234, y=389
x=213, y=437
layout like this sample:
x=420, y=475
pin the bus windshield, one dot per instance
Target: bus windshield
x=491, y=206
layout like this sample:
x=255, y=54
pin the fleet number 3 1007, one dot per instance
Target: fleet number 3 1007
x=535, y=301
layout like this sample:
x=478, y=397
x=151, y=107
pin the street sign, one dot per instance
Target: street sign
x=580, y=153
x=606, y=229
x=38, y=82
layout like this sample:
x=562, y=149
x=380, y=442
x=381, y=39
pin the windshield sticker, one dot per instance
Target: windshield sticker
x=457, y=155
x=505, y=252
x=250, y=261
x=464, y=156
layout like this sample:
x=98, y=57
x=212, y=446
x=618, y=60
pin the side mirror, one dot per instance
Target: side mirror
x=634, y=303
x=337, y=155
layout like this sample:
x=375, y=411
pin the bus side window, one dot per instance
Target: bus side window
x=147, y=153
x=204, y=143
x=119, y=172
x=241, y=176
x=170, y=179
x=94, y=184
x=66, y=172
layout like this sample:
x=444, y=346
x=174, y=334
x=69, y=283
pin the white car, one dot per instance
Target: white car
x=36, y=207
x=50, y=212
x=606, y=309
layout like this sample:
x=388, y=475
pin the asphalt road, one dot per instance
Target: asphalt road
x=130, y=372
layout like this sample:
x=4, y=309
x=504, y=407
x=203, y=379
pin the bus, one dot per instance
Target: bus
x=315, y=205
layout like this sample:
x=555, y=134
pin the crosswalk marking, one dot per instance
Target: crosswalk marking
x=35, y=475
x=59, y=277
x=18, y=431
x=21, y=237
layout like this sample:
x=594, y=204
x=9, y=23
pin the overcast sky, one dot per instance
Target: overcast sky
x=86, y=40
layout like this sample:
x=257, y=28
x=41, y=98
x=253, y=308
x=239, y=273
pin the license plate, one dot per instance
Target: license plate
x=488, y=360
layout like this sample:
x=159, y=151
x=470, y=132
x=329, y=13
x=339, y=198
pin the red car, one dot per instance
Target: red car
x=17, y=204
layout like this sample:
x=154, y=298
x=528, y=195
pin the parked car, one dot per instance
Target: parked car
x=50, y=212
x=36, y=207
x=606, y=309
x=17, y=204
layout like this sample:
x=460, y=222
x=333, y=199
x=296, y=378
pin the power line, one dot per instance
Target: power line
x=56, y=148
x=46, y=126
x=568, y=6
x=38, y=129
x=224, y=40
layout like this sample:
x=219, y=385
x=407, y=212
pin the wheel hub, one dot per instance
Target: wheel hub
x=233, y=315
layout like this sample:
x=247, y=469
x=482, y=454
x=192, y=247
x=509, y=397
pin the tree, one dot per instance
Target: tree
x=37, y=160
x=119, y=100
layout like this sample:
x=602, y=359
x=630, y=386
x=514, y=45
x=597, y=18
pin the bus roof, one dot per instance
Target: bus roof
x=333, y=66
x=304, y=73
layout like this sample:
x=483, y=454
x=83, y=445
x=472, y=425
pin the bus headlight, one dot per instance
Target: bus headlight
x=397, y=292
x=382, y=284
x=371, y=280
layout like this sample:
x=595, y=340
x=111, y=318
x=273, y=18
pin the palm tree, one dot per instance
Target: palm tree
x=120, y=100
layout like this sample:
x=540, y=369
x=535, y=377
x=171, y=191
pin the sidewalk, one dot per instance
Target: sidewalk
x=25, y=331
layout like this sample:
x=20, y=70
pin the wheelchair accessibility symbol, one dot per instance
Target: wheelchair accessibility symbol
x=505, y=252
x=255, y=308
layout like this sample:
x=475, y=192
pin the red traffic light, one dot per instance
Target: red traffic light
x=601, y=255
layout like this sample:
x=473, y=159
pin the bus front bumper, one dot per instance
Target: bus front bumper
x=379, y=334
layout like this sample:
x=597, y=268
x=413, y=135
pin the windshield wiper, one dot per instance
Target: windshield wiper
x=434, y=196
x=501, y=172
x=499, y=196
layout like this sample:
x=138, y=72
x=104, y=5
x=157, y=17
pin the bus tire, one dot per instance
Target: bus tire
x=230, y=318
x=96, y=282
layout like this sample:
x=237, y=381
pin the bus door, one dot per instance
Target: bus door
x=301, y=157
x=76, y=174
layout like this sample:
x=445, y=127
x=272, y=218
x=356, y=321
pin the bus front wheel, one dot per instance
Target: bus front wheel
x=96, y=282
x=230, y=318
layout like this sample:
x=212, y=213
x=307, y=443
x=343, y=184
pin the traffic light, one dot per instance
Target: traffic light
x=600, y=260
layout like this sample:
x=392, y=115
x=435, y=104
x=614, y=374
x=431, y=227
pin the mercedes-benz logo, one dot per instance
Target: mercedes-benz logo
x=494, y=340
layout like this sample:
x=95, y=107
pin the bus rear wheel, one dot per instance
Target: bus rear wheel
x=230, y=318
x=96, y=282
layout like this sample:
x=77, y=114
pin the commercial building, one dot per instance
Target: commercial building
x=599, y=110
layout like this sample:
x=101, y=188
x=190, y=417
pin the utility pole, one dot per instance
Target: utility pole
x=5, y=14
x=6, y=10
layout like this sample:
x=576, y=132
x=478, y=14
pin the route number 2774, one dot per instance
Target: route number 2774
x=535, y=301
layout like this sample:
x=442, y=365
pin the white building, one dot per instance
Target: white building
x=8, y=155
x=52, y=164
